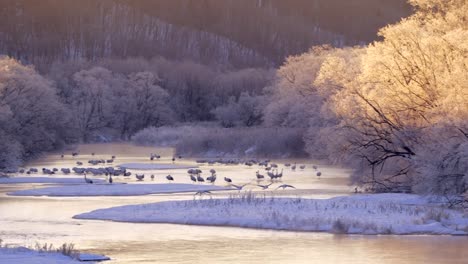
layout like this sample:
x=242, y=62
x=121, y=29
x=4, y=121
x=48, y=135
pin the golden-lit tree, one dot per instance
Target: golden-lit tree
x=392, y=99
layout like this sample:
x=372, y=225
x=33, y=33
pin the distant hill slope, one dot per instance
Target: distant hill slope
x=237, y=33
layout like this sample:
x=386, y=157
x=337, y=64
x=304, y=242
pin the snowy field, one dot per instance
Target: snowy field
x=117, y=189
x=14, y=180
x=359, y=214
x=148, y=166
x=20, y=255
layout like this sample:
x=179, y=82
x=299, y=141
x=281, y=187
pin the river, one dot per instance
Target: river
x=27, y=220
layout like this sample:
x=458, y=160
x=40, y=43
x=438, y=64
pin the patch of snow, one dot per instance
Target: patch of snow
x=149, y=166
x=117, y=189
x=22, y=255
x=358, y=214
x=14, y=180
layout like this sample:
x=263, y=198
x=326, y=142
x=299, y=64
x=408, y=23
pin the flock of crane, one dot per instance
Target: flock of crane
x=271, y=169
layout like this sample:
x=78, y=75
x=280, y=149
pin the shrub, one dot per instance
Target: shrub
x=340, y=227
x=216, y=141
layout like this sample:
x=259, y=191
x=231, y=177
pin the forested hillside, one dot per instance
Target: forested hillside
x=239, y=33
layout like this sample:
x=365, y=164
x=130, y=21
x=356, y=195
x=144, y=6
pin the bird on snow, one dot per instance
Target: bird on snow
x=140, y=177
x=259, y=176
x=279, y=175
x=200, y=178
x=211, y=178
x=193, y=178
x=227, y=179
x=169, y=178
x=87, y=180
x=271, y=175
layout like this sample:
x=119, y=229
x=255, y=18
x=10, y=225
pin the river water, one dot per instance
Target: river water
x=27, y=220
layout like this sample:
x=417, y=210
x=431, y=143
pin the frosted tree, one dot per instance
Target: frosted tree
x=141, y=103
x=246, y=111
x=298, y=100
x=399, y=92
x=92, y=99
x=31, y=117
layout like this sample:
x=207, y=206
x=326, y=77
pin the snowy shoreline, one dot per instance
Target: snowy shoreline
x=30, y=256
x=399, y=214
x=49, y=180
x=149, y=166
x=116, y=190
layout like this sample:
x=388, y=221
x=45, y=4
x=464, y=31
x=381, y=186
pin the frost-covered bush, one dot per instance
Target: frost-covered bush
x=167, y=136
x=218, y=141
x=11, y=152
x=245, y=111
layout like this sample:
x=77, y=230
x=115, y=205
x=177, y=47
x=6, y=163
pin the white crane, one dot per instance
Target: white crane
x=259, y=176
x=284, y=186
x=239, y=187
x=211, y=178
x=193, y=178
x=264, y=187
x=200, y=178
x=140, y=177
x=170, y=178
x=87, y=180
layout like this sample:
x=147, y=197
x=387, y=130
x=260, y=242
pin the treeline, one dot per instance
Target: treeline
x=246, y=33
x=110, y=99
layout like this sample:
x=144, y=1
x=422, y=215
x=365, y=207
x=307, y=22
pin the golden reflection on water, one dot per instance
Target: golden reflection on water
x=26, y=220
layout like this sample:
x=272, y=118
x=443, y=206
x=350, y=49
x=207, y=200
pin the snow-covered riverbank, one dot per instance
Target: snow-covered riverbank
x=358, y=214
x=51, y=180
x=117, y=189
x=20, y=255
x=153, y=166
